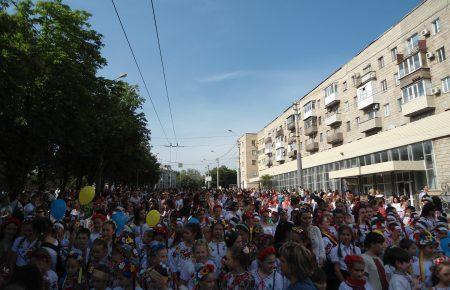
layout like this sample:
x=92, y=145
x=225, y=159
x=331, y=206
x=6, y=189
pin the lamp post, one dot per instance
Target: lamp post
x=217, y=159
x=121, y=76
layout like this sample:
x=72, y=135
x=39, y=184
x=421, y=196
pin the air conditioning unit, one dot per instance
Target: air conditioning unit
x=425, y=32
x=429, y=55
x=435, y=91
x=376, y=106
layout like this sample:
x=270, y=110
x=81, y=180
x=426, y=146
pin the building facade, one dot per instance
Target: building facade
x=381, y=121
x=248, y=158
x=168, y=178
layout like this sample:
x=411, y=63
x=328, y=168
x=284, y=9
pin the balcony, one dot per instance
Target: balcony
x=312, y=146
x=279, y=132
x=279, y=156
x=268, y=151
x=279, y=144
x=312, y=129
x=370, y=124
x=269, y=162
x=290, y=123
x=420, y=73
x=333, y=119
x=268, y=140
x=331, y=100
x=418, y=106
x=291, y=140
x=335, y=138
x=292, y=154
x=309, y=114
x=367, y=100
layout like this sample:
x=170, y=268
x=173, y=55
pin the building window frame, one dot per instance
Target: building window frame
x=446, y=84
x=394, y=53
x=387, y=109
x=440, y=52
x=410, y=65
x=383, y=85
x=381, y=62
x=436, y=25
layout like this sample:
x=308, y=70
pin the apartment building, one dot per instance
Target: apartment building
x=380, y=121
x=248, y=158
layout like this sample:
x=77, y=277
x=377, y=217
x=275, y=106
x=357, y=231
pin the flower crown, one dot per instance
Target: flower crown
x=76, y=255
x=127, y=269
x=440, y=260
x=202, y=272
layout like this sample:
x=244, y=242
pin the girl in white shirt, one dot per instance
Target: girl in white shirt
x=217, y=246
x=266, y=277
x=344, y=248
x=200, y=257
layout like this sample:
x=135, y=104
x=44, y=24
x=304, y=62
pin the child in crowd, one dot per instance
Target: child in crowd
x=401, y=280
x=355, y=278
x=100, y=278
x=24, y=244
x=74, y=277
x=108, y=234
x=41, y=259
x=266, y=276
x=237, y=276
x=427, y=252
x=344, y=248
x=126, y=276
x=375, y=243
x=441, y=273
x=298, y=266
x=217, y=246
x=200, y=256
x=205, y=278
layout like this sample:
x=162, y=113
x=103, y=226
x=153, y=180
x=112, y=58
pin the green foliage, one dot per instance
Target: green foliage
x=58, y=119
x=226, y=176
x=190, y=178
x=266, y=181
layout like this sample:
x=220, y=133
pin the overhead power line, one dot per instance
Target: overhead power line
x=139, y=69
x=163, y=70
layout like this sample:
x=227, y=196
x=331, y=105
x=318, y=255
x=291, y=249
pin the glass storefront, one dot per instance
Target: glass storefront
x=317, y=178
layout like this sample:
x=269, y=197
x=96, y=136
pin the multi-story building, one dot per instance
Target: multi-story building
x=380, y=121
x=248, y=158
x=167, y=179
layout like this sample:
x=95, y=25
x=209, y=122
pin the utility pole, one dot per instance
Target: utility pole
x=297, y=140
x=239, y=164
x=217, y=171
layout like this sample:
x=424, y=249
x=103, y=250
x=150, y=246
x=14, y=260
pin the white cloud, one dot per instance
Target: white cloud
x=223, y=77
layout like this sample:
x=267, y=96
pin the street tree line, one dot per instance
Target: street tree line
x=192, y=178
x=61, y=123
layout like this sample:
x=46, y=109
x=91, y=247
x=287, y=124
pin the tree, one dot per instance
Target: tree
x=58, y=119
x=226, y=176
x=190, y=178
x=266, y=181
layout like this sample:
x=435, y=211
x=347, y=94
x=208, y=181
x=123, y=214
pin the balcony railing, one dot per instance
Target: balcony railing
x=335, y=137
x=333, y=119
x=418, y=106
x=312, y=146
x=312, y=129
x=331, y=100
x=370, y=125
x=365, y=100
x=279, y=144
x=309, y=114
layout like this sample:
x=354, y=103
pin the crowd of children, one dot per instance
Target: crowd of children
x=223, y=239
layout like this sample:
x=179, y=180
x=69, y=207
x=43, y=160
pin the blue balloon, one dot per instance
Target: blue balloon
x=120, y=219
x=58, y=209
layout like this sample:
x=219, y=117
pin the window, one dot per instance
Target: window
x=436, y=26
x=440, y=54
x=413, y=91
x=381, y=62
x=399, y=104
x=348, y=126
x=318, y=104
x=412, y=42
x=308, y=107
x=254, y=142
x=446, y=85
x=383, y=85
x=355, y=101
x=409, y=65
x=320, y=120
x=344, y=86
x=394, y=53
x=321, y=137
x=253, y=162
x=331, y=89
x=346, y=106
x=371, y=114
x=357, y=122
x=387, y=110
x=254, y=153
x=397, y=81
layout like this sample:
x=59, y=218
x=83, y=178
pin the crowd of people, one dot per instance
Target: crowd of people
x=223, y=239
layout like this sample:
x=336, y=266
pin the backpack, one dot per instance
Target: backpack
x=59, y=263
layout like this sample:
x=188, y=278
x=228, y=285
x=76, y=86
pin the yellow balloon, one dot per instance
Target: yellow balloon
x=86, y=195
x=152, y=218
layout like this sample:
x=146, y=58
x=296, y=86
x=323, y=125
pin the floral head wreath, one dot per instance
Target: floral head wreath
x=76, y=255
x=424, y=238
x=127, y=269
x=440, y=260
x=297, y=230
x=220, y=222
x=202, y=272
x=266, y=252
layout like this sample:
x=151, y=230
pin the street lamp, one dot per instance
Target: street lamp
x=124, y=75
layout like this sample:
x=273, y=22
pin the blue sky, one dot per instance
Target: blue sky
x=232, y=64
